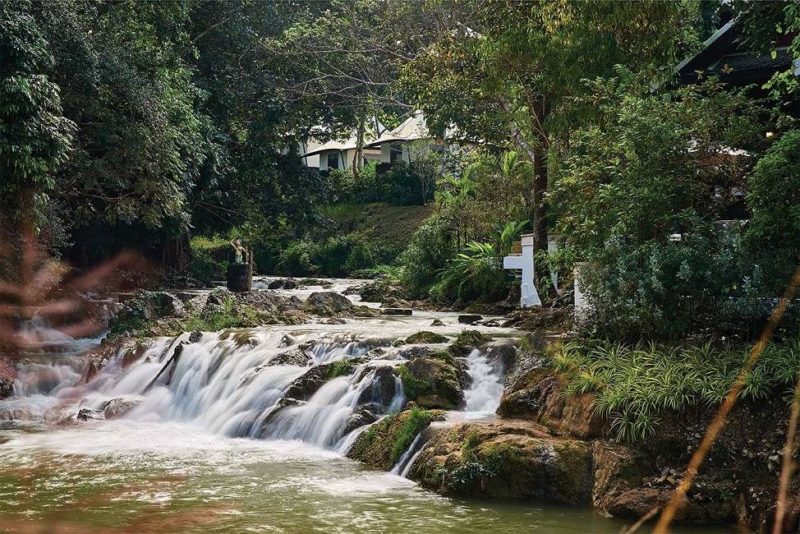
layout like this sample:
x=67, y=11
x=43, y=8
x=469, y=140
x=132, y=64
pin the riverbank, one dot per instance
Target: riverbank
x=470, y=411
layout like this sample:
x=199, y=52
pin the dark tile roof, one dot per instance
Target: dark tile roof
x=751, y=61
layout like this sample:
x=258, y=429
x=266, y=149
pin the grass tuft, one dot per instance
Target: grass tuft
x=635, y=383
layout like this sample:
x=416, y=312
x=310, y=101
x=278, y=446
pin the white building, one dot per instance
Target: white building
x=389, y=146
x=341, y=153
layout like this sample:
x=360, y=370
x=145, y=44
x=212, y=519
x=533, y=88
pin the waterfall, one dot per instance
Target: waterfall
x=228, y=383
x=276, y=383
x=483, y=395
x=400, y=467
x=481, y=400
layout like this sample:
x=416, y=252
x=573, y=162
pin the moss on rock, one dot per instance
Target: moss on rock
x=467, y=341
x=506, y=459
x=432, y=382
x=426, y=336
x=382, y=444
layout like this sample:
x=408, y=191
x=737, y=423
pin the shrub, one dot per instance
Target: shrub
x=428, y=252
x=208, y=258
x=656, y=168
x=773, y=196
x=296, y=259
x=475, y=274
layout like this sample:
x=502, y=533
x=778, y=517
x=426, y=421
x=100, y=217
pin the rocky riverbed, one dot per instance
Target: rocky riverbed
x=464, y=410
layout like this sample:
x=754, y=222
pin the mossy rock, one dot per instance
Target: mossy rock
x=426, y=336
x=383, y=443
x=467, y=341
x=141, y=312
x=432, y=383
x=506, y=460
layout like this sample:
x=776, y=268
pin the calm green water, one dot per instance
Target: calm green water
x=157, y=477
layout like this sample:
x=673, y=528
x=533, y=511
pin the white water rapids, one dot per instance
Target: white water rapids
x=240, y=384
x=231, y=438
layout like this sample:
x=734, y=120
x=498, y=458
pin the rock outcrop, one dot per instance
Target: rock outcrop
x=435, y=381
x=426, y=336
x=539, y=394
x=328, y=303
x=506, y=459
x=382, y=444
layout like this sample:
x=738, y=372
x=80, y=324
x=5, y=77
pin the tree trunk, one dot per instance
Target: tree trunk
x=176, y=254
x=358, y=158
x=537, y=153
x=539, y=190
x=539, y=115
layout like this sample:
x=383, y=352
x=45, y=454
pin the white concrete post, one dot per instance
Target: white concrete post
x=582, y=305
x=529, y=296
x=552, y=247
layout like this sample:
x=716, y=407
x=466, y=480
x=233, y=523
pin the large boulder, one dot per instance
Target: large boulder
x=383, y=388
x=467, y=341
x=301, y=355
x=120, y=406
x=433, y=381
x=357, y=419
x=506, y=460
x=426, y=336
x=143, y=309
x=304, y=387
x=328, y=303
x=539, y=394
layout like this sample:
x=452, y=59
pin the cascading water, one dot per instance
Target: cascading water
x=242, y=384
x=229, y=384
x=483, y=396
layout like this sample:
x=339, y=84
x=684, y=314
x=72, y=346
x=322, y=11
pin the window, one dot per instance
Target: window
x=333, y=160
x=395, y=154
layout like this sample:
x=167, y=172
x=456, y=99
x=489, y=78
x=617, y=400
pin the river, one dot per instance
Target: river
x=206, y=448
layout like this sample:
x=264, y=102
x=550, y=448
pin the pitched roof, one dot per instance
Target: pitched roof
x=348, y=143
x=412, y=128
x=724, y=56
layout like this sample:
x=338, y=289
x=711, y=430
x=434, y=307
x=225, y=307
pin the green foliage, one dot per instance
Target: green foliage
x=653, y=166
x=401, y=185
x=475, y=274
x=336, y=256
x=296, y=259
x=773, y=195
x=340, y=368
x=209, y=255
x=635, y=384
x=430, y=249
x=416, y=421
x=227, y=315
x=35, y=139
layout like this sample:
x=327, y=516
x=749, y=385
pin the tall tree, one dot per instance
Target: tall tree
x=34, y=136
x=521, y=63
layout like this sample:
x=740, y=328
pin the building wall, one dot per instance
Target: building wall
x=386, y=152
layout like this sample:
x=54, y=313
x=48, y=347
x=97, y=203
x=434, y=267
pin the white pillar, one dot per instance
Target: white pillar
x=529, y=296
x=582, y=305
x=552, y=248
